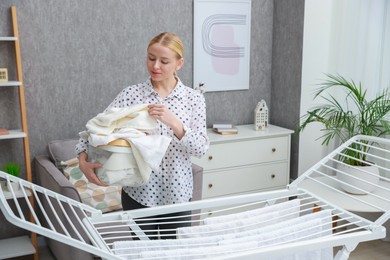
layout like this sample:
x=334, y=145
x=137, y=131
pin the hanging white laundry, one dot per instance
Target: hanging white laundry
x=239, y=222
x=291, y=206
x=199, y=252
x=134, y=248
x=306, y=227
x=227, y=227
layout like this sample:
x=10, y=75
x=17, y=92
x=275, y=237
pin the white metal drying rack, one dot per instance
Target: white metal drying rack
x=86, y=228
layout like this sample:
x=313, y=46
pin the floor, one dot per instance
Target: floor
x=373, y=250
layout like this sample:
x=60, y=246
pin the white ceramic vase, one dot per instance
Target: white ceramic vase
x=360, y=173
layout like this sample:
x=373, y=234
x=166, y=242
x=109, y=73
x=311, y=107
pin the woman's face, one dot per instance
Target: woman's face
x=162, y=62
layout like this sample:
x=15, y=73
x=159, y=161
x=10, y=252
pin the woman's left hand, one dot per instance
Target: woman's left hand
x=162, y=113
x=165, y=116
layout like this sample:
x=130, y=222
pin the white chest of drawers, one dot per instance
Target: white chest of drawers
x=249, y=161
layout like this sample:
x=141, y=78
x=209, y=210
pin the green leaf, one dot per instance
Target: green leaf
x=349, y=114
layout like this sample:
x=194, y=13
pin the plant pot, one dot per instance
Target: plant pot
x=2, y=184
x=353, y=175
x=15, y=186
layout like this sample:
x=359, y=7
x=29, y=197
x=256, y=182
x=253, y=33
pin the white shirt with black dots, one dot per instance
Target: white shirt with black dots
x=172, y=183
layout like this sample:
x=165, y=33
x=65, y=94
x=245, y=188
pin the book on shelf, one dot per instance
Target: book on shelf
x=4, y=131
x=226, y=131
x=222, y=125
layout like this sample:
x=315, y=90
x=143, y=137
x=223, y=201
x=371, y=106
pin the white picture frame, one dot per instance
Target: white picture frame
x=222, y=44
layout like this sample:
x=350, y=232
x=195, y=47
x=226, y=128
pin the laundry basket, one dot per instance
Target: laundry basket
x=118, y=165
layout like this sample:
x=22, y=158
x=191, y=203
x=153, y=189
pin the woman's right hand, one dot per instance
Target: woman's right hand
x=88, y=169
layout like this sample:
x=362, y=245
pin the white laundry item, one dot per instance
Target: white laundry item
x=196, y=253
x=308, y=227
x=133, y=248
x=218, y=229
x=148, y=151
x=125, y=177
x=287, y=206
x=240, y=222
x=323, y=215
x=271, y=239
x=276, y=234
x=118, y=165
x=136, y=117
x=301, y=230
x=307, y=230
x=131, y=167
x=123, y=133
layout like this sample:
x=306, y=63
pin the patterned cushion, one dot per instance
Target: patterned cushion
x=103, y=198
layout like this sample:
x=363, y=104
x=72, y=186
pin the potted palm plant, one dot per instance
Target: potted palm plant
x=343, y=117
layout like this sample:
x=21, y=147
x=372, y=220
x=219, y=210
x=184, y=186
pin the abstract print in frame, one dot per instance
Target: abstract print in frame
x=222, y=44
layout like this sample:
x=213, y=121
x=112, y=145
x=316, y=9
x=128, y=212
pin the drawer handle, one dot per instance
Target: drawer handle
x=210, y=186
x=210, y=157
x=273, y=150
x=273, y=176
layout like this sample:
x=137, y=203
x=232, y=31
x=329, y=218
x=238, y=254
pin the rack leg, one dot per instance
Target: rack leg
x=343, y=253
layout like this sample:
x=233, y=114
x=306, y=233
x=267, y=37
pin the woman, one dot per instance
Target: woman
x=181, y=115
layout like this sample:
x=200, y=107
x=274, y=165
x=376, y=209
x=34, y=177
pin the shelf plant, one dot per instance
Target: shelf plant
x=348, y=115
x=12, y=169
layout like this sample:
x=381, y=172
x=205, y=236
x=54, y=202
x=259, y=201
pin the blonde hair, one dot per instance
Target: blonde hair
x=171, y=41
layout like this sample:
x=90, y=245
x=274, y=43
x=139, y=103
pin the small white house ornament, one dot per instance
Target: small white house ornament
x=261, y=115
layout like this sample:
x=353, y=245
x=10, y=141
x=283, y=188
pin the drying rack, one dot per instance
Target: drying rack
x=281, y=231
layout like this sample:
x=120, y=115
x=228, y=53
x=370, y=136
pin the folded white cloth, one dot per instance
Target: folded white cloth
x=129, y=123
x=136, y=117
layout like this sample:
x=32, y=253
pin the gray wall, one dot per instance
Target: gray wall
x=287, y=69
x=78, y=54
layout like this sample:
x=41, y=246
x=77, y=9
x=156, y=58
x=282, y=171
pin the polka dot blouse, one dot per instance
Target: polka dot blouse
x=173, y=182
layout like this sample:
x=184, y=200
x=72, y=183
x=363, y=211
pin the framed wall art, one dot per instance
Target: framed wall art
x=222, y=44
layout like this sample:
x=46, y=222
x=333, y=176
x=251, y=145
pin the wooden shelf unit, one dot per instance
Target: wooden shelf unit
x=10, y=83
x=14, y=247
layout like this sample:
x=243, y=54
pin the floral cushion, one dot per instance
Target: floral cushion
x=103, y=198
